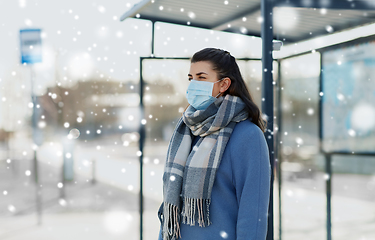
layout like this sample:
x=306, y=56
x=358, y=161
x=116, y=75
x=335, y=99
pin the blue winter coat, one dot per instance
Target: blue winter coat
x=240, y=194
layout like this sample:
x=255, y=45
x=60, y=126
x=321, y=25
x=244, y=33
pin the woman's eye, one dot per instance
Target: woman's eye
x=190, y=79
x=202, y=77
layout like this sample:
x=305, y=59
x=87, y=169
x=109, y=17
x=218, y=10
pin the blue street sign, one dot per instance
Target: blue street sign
x=31, y=46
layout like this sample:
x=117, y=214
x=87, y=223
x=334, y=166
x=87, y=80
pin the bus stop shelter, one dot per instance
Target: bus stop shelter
x=255, y=18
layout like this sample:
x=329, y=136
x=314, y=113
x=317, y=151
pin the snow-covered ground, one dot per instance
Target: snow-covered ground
x=303, y=200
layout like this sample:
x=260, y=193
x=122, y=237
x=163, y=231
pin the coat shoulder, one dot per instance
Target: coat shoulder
x=246, y=130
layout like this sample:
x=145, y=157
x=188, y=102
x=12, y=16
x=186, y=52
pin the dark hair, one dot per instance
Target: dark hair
x=225, y=65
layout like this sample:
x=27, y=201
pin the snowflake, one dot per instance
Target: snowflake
x=11, y=208
x=223, y=234
x=62, y=202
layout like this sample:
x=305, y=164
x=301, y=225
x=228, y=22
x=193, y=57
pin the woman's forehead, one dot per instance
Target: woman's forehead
x=204, y=66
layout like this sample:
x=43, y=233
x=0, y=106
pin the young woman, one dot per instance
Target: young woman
x=216, y=180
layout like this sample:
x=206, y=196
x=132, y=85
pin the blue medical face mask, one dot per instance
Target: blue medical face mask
x=199, y=94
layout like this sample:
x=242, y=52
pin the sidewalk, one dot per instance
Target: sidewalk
x=108, y=211
x=88, y=211
x=89, y=225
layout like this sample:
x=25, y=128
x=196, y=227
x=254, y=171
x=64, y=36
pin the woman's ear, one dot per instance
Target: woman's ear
x=225, y=84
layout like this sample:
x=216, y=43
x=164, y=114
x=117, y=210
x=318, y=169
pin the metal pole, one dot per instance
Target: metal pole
x=278, y=139
x=328, y=158
x=38, y=191
x=321, y=105
x=93, y=171
x=62, y=189
x=35, y=160
x=142, y=131
x=153, y=39
x=267, y=94
x=141, y=146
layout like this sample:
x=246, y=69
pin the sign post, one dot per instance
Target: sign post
x=31, y=52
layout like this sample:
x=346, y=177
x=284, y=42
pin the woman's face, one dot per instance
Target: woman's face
x=202, y=71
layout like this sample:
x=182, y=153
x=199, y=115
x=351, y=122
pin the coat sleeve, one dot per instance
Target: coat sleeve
x=251, y=177
x=160, y=236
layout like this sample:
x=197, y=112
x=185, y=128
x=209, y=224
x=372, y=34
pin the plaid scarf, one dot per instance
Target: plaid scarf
x=189, y=175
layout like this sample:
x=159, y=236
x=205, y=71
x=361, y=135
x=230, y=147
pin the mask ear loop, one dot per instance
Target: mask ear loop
x=220, y=80
x=217, y=82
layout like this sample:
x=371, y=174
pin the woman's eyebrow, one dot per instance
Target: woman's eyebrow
x=200, y=73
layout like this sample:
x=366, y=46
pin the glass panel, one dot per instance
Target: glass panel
x=348, y=112
x=252, y=74
x=353, y=196
x=166, y=82
x=302, y=167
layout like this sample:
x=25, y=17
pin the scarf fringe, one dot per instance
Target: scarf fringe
x=171, y=227
x=193, y=210
x=196, y=210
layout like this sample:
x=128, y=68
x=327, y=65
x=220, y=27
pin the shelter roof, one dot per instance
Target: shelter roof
x=300, y=19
